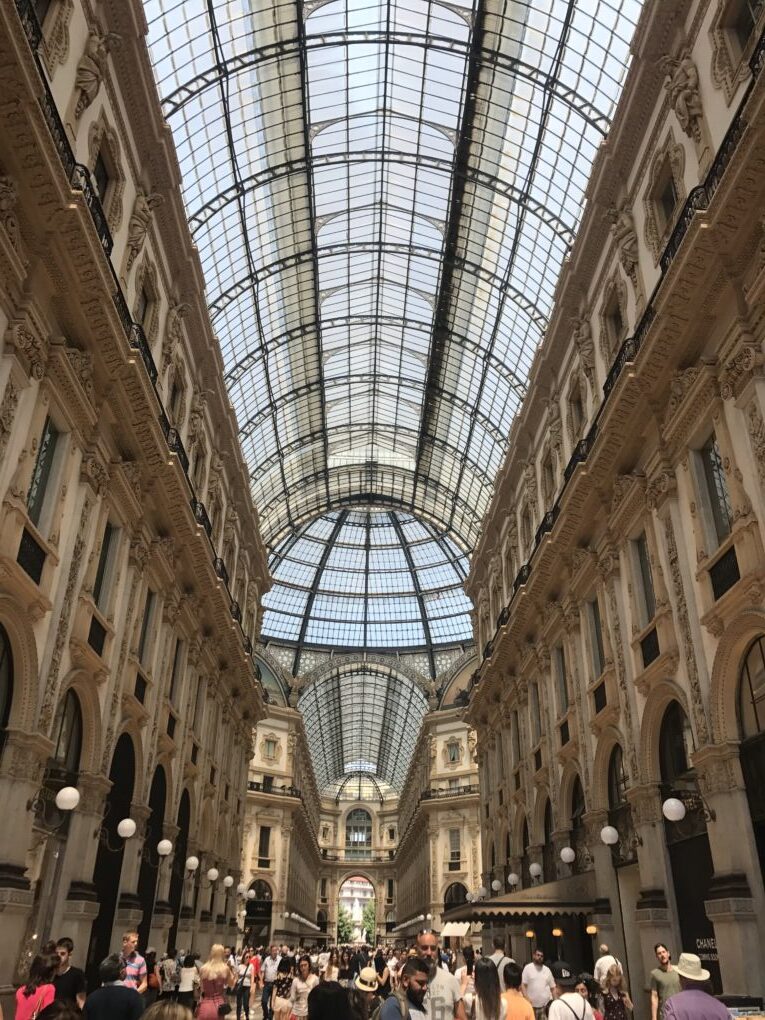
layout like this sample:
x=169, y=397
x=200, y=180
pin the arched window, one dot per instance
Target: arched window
x=68, y=733
x=617, y=780
x=751, y=714
x=6, y=684
x=751, y=692
x=675, y=744
x=455, y=895
x=358, y=833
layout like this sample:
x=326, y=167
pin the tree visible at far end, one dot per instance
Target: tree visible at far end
x=344, y=925
x=368, y=918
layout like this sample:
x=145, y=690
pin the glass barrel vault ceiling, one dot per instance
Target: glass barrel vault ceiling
x=382, y=193
x=375, y=579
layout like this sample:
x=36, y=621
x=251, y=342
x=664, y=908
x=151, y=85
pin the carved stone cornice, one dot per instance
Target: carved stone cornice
x=692, y=392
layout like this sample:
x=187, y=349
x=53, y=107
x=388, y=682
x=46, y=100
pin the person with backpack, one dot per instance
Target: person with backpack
x=407, y=1002
x=500, y=960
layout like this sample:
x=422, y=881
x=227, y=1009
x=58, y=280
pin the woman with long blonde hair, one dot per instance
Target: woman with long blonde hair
x=616, y=999
x=215, y=976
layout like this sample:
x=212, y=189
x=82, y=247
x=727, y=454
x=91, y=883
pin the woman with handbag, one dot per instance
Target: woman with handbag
x=616, y=1000
x=215, y=977
x=188, y=982
x=39, y=991
x=281, y=1004
x=245, y=979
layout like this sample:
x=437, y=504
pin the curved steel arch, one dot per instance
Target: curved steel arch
x=236, y=372
x=201, y=216
x=186, y=92
x=243, y=283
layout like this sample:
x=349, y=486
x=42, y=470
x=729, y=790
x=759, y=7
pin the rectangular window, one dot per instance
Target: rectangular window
x=270, y=748
x=264, y=844
x=596, y=637
x=536, y=721
x=667, y=197
x=146, y=623
x=561, y=679
x=101, y=177
x=268, y=784
x=175, y=676
x=104, y=570
x=742, y=17
x=391, y=834
x=454, y=784
x=717, y=489
x=454, y=751
x=515, y=738
x=199, y=705
x=389, y=890
x=142, y=302
x=41, y=476
x=647, y=597
x=323, y=889
x=454, y=849
x=41, y=10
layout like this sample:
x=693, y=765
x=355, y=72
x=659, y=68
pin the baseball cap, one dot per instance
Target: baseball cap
x=564, y=974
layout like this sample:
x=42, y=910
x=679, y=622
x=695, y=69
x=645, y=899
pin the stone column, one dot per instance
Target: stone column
x=186, y=920
x=735, y=902
x=77, y=903
x=654, y=916
x=606, y=909
x=23, y=764
x=129, y=911
x=560, y=838
x=162, y=917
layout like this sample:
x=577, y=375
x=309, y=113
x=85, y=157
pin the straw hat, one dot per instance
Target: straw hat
x=689, y=966
x=367, y=980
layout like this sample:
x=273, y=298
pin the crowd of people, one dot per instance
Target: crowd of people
x=423, y=982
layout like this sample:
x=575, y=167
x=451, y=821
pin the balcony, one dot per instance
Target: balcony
x=453, y=791
x=276, y=791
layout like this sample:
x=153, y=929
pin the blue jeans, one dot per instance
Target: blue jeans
x=265, y=1000
x=242, y=1001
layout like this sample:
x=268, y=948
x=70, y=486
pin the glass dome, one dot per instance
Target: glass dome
x=370, y=579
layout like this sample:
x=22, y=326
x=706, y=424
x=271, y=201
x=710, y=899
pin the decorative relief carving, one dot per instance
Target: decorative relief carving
x=755, y=427
x=55, y=44
x=8, y=199
x=7, y=413
x=92, y=68
x=679, y=384
x=660, y=487
x=614, y=293
x=729, y=69
x=94, y=472
x=683, y=621
x=82, y=366
x=682, y=84
x=140, y=221
x=621, y=677
x=747, y=359
x=585, y=346
x=31, y=345
x=625, y=236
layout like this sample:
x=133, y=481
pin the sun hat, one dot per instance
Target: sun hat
x=564, y=974
x=689, y=966
x=367, y=980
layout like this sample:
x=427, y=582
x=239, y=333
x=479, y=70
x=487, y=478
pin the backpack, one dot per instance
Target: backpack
x=403, y=1005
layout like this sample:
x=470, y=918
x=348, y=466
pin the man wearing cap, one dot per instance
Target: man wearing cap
x=566, y=1001
x=693, y=1002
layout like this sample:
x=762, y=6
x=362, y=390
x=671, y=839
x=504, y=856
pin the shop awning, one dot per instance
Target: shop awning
x=506, y=907
x=455, y=929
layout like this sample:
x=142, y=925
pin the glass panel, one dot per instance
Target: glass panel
x=717, y=488
x=69, y=736
x=648, y=607
x=339, y=214
x=752, y=691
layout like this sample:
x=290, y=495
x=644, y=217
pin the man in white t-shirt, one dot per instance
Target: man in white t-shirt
x=444, y=998
x=567, y=1004
x=538, y=983
x=499, y=959
x=603, y=964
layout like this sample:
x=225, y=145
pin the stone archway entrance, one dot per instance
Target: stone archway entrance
x=356, y=911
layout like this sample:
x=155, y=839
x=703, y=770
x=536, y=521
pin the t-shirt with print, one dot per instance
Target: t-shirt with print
x=443, y=995
x=666, y=983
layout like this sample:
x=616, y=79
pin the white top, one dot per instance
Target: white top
x=246, y=972
x=479, y=1014
x=270, y=969
x=570, y=1006
x=538, y=983
x=442, y=996
x=500, y=961
x=189, y=979
x=299, y=994
x=602, y=966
